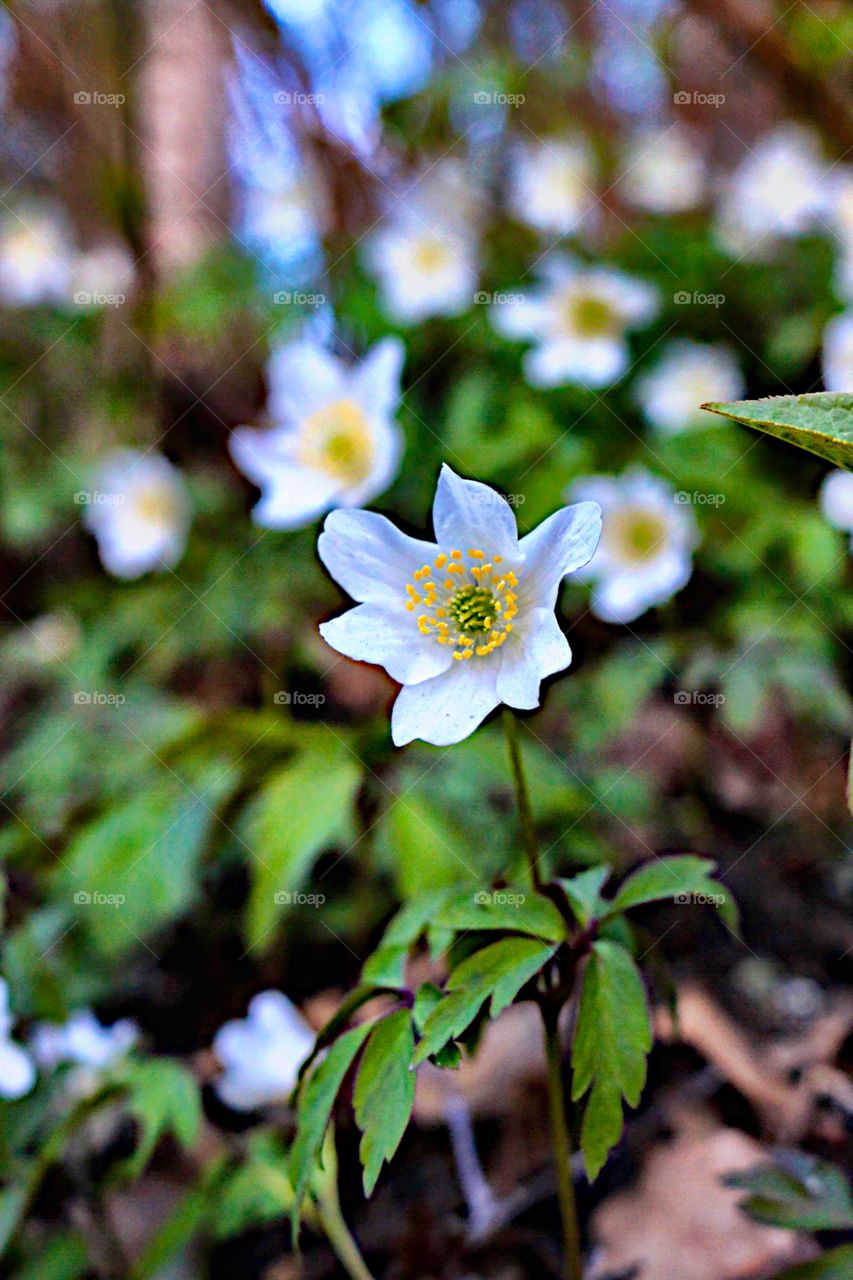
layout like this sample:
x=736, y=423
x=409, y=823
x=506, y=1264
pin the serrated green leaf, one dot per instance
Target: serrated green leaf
x=613, y=1035
x=501, y=969
x=811, y=1195
x=384, y=1092
x=820, y=422
x=316, y=1099
x=448, y=1020
x=601, y=1126
x=498, y=971
x=386, y=967
x=663, y=879
x=517, y=910
x=584, y=892
x=298, y=811
x=164, y=1098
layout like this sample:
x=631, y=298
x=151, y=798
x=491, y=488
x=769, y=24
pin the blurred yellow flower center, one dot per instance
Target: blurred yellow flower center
x=590, y=317
x=430, y=255
x=635, y=536
x=157, y=506
x=465, y=600
x=337, y=439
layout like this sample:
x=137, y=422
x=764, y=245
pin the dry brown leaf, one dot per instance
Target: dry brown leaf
x=680, y=1223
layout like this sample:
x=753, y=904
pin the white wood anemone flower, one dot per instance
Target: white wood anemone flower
x=139, y=512
x=465, y=622
x=645, y=554
x=17, y=1069
x=665, y=172
x=687, y=375
x=84, y=1041
x=552, y=184
x=424, y=254
x=36, y=255
x=578, y=322
x=262, y=1053
x=334, y=441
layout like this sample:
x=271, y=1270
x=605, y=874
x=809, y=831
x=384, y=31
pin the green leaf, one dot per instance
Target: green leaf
x=164, y=1098
x=584, y=892
x=837, y=1264
x=518, y=910
x=821, y=422
x=298, y=811
x=64, y=1257
x=810, y=1195
x=316, y=1099
x=384, y=1092
x=258, y=1191
x=136, y=867
x=413, y=824
x=613, y=1034
x=448, y=1020
x=499, y=970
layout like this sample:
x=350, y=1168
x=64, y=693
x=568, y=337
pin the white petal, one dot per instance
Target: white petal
x=559, y=545
x=17, y=1070
x=376, y=381
x=294, y=497
x=539, y=651
x=467, y=514
x=625, y=596
x=369, y=556
x=260, y=454
x=836, y=499
x=592, y=363
x=302, y=378
x=390, y=638
x=387, y=450
x=447, y=708
x=523, y=318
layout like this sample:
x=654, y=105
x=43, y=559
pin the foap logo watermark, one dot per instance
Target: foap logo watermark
x=286, y=298
x=95, y=698
x=95, y=898
x=698, y=698
x=95, y=98
x=700, y=899
x=684, y=298
x=490, y=498
x=96, y=498
x=298, y=698
x=492, y=98
x=484, y=298
x=82, y=298
x=698, y=98
x=688, y=498
x=286, y=899
x=499, y=898
x=284, y=98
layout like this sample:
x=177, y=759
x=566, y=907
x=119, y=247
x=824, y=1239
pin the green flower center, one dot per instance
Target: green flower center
x=473, y=609
x=592, y=317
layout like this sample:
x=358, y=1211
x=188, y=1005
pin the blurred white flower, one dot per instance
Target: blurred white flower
x=552, y=184
x=334, y=441
x=647, y=540
x=464, y=623
x=17, y=1069
x=100, y=274
x=139, y=512
x=424, y=252
x=578, y=322
x=664, y=171
x=261, y=1054
x=838, y=353
x=83, y=1041
x=687, y=375
x=836, y=500
x=841, y=215
x=36, y=255
x=779, y=190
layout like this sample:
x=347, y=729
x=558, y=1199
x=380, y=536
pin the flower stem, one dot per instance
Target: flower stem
x=522, y=797
x=561, y=1140
x=332, y=1219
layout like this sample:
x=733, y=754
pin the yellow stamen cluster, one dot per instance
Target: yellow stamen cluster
x=465, y=600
